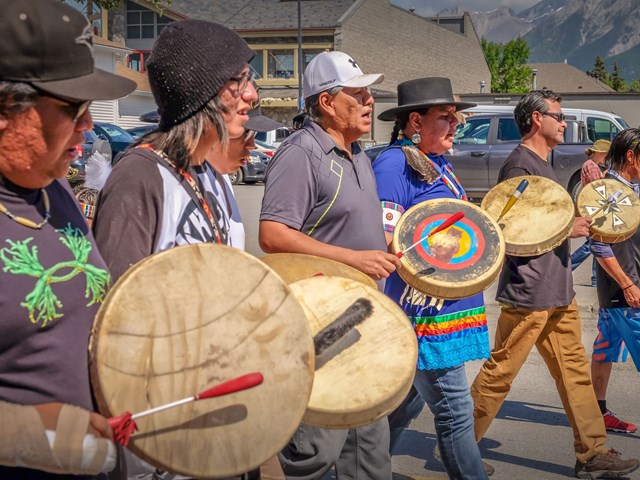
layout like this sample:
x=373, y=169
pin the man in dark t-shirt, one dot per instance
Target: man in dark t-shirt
x=52, y=277
x=539, y=308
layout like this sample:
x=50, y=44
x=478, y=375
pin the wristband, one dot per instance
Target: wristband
x=627, y=287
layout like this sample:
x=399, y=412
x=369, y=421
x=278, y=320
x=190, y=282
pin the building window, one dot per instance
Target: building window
x=138, y=60
x=277, y=64
x=308, y=55
x=280, y=64
x=143, y=22
x=257, y=64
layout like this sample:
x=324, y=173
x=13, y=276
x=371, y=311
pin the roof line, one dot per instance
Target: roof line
x=350, y=11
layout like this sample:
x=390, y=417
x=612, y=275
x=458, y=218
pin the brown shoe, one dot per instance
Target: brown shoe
x=488, y=468
x=605, y=465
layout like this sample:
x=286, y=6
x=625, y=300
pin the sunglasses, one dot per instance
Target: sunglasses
x=75, y=110
x=560, y=117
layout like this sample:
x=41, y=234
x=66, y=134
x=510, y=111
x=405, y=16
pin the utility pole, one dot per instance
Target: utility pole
x=300, y=58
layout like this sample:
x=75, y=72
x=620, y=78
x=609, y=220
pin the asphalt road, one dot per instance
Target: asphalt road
x=530, y=439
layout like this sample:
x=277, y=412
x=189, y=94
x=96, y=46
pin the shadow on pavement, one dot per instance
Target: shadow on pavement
x=533, y=413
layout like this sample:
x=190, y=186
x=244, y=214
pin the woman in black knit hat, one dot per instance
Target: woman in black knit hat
x=201, y=81
x=160, y=194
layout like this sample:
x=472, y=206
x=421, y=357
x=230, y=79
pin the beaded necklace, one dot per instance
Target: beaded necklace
x=194, y=187
x=25, y=221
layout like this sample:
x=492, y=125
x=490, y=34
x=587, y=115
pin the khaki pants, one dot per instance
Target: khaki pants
x=556, y=334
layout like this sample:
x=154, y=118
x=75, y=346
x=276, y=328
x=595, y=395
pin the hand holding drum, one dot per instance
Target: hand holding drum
x=189, y=317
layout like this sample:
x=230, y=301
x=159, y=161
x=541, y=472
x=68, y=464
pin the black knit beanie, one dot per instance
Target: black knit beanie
x=190, y=62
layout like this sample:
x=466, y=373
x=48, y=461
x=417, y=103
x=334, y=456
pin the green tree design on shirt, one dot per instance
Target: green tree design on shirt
x=42, y=303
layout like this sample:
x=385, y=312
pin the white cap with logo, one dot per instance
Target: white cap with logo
x=333, y=69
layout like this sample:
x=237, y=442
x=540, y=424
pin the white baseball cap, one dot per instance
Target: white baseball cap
x=333, y=69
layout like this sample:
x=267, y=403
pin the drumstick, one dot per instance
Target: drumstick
x=447, y=223
x=514, y=198
x=124, y=425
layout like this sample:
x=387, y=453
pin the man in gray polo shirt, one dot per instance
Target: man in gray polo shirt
x=320, y=199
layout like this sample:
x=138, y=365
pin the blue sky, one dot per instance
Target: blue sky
x=431, y=7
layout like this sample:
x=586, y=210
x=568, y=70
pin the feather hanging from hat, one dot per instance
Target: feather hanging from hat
x=97, y=170
x=418, y=161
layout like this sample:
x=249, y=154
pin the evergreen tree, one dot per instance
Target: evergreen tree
x=507, y=64
x=617, y=82
x=600, y=72
x=635, y=86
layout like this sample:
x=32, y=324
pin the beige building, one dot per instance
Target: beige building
x=381, y=37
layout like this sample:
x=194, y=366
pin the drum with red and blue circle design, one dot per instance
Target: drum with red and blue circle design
x=457, y=262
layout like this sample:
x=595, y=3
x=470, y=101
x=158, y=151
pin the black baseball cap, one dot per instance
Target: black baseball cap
x=259, y=122
x=49, y=45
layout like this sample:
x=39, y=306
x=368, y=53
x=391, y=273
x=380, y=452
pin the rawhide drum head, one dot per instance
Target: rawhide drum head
x=613, y=207
x=538, y=222
x=298, y=266
x=456, y=262
x=366, y=352
x=190, y=318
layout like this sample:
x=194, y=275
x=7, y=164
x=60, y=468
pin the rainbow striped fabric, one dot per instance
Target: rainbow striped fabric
x=451, y=335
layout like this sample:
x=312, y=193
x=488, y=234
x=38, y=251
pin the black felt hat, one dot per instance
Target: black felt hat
x=50, y=45
x=422, y=93
x=189, y=64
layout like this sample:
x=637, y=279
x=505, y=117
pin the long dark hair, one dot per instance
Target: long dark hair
x=626, y=140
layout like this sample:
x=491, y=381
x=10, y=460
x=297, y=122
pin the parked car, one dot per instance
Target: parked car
x=274, y=137
x=137, y=132
x=150, y=117
x=91, y=144
x=265, y=148
x=118, y=138
x=598, y=124
x=482, y=145
x=253, y=171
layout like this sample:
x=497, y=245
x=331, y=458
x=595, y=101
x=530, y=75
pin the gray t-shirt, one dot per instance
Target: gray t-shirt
x=543, y=281
x=314, y=187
